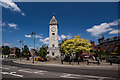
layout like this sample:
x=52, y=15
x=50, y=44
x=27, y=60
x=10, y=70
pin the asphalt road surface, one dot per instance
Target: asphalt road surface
x=15, y=70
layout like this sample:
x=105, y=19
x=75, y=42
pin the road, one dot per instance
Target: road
x=15, y=70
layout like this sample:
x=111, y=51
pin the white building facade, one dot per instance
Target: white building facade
x=53, y=49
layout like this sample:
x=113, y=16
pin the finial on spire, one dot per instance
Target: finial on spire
x=53, y=13
x=53, y=20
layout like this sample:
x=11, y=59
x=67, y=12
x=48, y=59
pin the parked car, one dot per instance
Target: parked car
x=40, y=59
x=113, y=59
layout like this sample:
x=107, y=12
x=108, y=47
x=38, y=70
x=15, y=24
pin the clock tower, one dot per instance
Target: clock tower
x=53, y=49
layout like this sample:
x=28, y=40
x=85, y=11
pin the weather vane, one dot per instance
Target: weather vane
x=53, y=13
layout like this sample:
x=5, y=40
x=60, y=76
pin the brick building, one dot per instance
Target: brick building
x=14, y=52
x=111, y=44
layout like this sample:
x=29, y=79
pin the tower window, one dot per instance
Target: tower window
x=52, y=45
x=53, y=33
x=53, y=54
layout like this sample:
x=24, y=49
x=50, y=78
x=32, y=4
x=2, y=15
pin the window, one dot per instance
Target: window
x=52, y=45
x=53, y=53
x=53, y=33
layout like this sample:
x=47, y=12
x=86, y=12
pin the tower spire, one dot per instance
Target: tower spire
x=53, y=20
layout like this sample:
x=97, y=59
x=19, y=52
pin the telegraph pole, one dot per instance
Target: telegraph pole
x=34, y=35
x=21, y=48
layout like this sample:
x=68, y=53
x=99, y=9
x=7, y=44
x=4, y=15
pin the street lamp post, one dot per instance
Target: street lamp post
x=34, y=34
x=21, y=48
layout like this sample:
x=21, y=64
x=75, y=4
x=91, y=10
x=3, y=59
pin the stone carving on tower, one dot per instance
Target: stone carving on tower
x=53, y=49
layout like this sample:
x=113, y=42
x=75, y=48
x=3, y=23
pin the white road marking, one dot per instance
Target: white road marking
x=40, y=72
x=12, y=73
x=36, y=72
x=25, y=71
x=4, y=72
x=6, y=68
x=67, y=75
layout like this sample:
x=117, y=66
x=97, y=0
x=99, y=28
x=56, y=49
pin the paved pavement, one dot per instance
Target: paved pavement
x=83, y=65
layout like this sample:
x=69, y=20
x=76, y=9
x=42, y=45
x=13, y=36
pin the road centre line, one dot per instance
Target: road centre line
x=36, y=72
x=25, y=71
x=13, y=67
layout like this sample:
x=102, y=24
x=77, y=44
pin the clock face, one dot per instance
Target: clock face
x=53, y=29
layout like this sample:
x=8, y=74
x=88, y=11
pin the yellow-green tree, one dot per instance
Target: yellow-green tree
x=75, y=45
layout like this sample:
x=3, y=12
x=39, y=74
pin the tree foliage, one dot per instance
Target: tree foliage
x=62, y=42
x=5, y=50
x=25, y=51
x=43, y=51
x=61, y=50
x=75, y=45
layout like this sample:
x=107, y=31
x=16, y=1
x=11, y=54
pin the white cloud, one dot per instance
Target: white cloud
x=69, y=36
x=28, y=36
x=66, y=36
x=23, y=14
x=63, y=36
x=114, y=32
x=13, y=25
x=45, y=41
x=7, y=44
x=31, y=47
x=102, y=28
x=59, y=38
x=20, y=46
x=37, y=36
x=37, y=45
x=11, y=5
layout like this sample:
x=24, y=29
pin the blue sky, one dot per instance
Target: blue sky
x=88, y=19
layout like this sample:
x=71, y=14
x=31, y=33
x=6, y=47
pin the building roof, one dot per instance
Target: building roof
x=53, y=20
x=14, y=48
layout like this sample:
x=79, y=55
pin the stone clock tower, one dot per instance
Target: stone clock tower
x=53, y=49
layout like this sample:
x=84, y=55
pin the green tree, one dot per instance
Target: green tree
x=75, y=45
x=5, y=50
x=61, y=49
x=25, y=51
x=43, y=51
x=62, y=42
